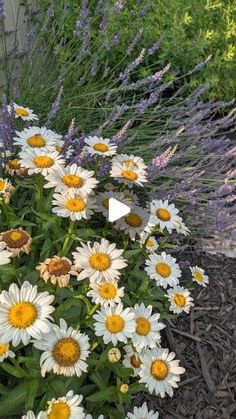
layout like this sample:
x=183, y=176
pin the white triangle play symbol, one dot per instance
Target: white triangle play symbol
x=116, y=209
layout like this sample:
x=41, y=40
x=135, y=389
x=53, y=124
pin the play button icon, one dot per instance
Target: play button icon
x=116, y=210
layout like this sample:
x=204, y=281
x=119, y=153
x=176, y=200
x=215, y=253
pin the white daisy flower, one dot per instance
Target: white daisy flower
x=181, y=227
x=180, y=300
x=26, y=114
x=100, y=146
x=24, y=313
x=103, y=201
x=133, y=223
x=88, y=416
x=164, y=215
x=142, y=413
x=74, y=205
x=102, y=260
x=160, y=371
x=40, y=161
x=37, y=138
x=151, y=243
x=163, y=269
x=148, y=326
x=71, y=178
x=132, y=359
x=129, y=175
x=5, y=255
x=65, y=351
x=114, y=324
x=30, y=415
x=105, y=292
x=5, y=185
x=199, y=276
x=130, y=161
x=5, y=351
x=67, y=407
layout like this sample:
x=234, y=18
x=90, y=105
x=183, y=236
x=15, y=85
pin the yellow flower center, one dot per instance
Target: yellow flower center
x=159, y=369
x=150, y=243
x=129, y=175
x=198, y=276
x=143, y=326
x=14, y=164
x=72, y=181
x=2, y=184
x=129, y=163
x=58, y=148
x=163, y=214
x=115, y=323
x=107, y=291
x=133, y=220
x=100, y=147
x=100, y=261
x=15, y=235
x=105, y=203
x=59, y=410
x=21, y=112
x=3, y=348
x=15, y=238
x=179, y=300
x=22, y=314
x=36, y=141
x=43, y=162
x=75, y=204
x=58, y=267
x=135, y=361
x=163, y=269
x=66, y=352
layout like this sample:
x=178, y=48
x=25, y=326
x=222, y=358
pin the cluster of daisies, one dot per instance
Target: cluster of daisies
x=69, y=407
x=26, y=313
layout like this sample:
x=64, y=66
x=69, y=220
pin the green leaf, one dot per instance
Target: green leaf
x=3, y=389
x=109, y=393
x=12, y=400
x=97, y=379
x=130, y=253
x=32, y=389
x=136, y=388
x=85, y=233
x=47, y=245
x=66, y=305
x=21, y=223
x=16, y=372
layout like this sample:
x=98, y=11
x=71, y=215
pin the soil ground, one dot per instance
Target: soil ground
x=205, y=342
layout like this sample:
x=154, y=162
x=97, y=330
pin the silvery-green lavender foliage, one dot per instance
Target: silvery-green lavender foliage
x=185, y=141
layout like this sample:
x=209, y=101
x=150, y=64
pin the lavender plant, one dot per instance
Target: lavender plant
x=185, y=141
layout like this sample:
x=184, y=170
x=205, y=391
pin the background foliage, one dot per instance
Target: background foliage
x=190, y=31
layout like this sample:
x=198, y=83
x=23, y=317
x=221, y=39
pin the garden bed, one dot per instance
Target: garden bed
x=205, y=344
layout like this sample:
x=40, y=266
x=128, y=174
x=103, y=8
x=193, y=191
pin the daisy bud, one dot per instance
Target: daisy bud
x=114, y=355
x=124, y=388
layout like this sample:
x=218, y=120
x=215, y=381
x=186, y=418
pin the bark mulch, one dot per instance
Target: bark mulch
x=205, y=342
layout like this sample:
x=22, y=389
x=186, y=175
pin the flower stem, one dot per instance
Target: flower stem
x=39, y=192
x=96, y=165
x=66, y=243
